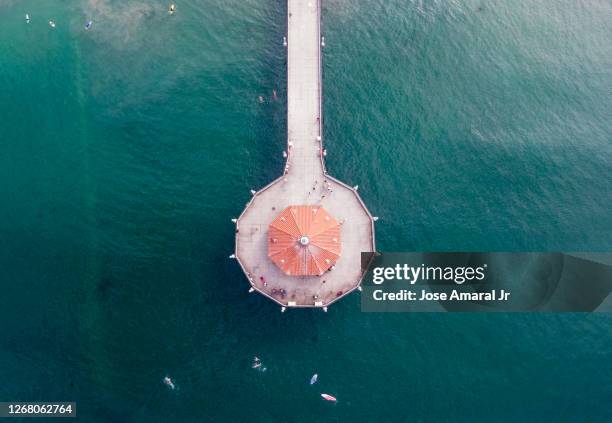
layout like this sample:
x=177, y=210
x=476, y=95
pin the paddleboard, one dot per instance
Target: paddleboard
x=328, y=397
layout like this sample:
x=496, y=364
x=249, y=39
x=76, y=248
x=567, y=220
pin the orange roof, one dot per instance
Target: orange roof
x=304, y=240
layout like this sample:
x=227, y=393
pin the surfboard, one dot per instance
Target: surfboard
x=328, y=397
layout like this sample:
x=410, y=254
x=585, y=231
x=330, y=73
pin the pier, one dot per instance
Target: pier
x=299, y=239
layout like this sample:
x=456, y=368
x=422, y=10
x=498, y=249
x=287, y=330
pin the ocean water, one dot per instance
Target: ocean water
x=127, y=149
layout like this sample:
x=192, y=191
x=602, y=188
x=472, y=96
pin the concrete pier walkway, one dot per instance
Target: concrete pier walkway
x=305, y=182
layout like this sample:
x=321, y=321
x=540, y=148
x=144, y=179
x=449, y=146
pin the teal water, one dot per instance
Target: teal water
x=468, y=125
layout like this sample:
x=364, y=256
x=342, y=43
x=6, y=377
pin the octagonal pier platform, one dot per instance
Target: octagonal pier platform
x=305, y=182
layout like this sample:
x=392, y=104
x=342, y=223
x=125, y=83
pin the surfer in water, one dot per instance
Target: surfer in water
x=256, y=363
x=27, y=18
x=171, y=9
x=88, y=25
x=169, y=382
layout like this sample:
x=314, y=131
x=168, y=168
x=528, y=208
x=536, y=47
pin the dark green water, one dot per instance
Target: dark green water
x=125, y=151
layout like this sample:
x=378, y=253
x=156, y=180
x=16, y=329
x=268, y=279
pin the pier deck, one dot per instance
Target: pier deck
x=304, y=183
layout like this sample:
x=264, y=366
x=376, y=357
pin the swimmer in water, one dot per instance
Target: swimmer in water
x=52, y=24
x=274, y=96
x=261, y=99
x=168, y=382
